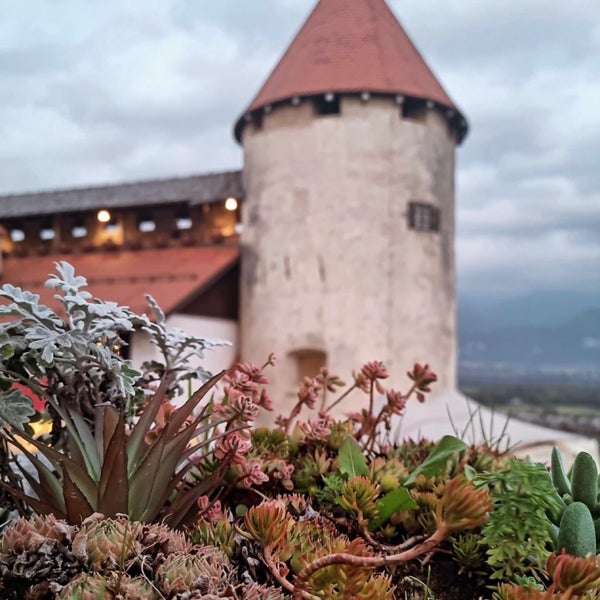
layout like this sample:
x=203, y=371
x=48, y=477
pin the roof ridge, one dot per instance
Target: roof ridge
x=121, y=184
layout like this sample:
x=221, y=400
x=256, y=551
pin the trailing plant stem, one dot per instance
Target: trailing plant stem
x=373, y=562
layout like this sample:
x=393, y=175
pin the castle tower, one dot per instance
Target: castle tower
x=348, y=224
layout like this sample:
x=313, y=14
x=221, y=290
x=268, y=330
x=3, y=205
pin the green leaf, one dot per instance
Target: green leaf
x=434, y=464
x=60, y=462
x=86, y=443
x=352, y=460
x=470, y=472
x=391, y=503
x=16, y=409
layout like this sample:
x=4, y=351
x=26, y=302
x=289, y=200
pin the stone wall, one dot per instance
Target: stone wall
x=329, y=262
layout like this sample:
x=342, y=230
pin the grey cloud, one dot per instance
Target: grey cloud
x=105, y=92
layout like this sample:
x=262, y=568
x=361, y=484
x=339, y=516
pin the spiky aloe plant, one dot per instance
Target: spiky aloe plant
x=101, y=461
x=113, y=470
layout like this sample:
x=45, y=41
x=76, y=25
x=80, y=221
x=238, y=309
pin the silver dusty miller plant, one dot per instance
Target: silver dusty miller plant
x=73, y=358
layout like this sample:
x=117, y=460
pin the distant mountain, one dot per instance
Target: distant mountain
x=539, y=309
x=549, y=333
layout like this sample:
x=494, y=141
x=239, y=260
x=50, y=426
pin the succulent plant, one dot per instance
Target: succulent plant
x=462, y=506
x=25, y=535
x=267, y=523
x=573, y=573
x=358, y=498
x=389, y=473
x=254, y=591
x=87, y=587
x=106, y=543
x=578, y=521
x=468, y=552
x=205, y=570
x=576, y=533
x=36, y=550
x=111, y=587
x=219, y=534
x=157, y=539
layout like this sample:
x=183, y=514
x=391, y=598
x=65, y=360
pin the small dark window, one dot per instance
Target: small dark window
x=47, y=230
x=328, y=104
x=79, y=230
x=47, y=233
x=183, y=223
x=17, y=234
x=423, y=217
x=183, y=220
x=146, y=224
x=414, y=109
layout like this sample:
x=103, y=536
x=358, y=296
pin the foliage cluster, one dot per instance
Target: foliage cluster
x=133, y=495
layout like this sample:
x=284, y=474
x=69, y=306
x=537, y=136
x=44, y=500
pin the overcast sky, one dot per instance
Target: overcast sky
x=102, y=92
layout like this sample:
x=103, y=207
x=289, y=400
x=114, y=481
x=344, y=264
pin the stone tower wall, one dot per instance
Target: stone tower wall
x=329, y=262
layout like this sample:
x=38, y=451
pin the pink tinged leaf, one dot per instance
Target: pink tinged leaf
x=78, y=508
x=113, y=488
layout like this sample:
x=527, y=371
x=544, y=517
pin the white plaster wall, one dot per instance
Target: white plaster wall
x=209, y=328
x=328, y=260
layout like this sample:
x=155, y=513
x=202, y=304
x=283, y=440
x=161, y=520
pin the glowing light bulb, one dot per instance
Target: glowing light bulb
x=231, y=204
x=103, y=216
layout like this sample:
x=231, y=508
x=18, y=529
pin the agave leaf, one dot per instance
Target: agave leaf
x=163, y=471
x=87, y=445
x=59, y=460
x=180, y=416
x=77, y=506
x=47, y=487
x=35, y=484
x=41, y=508
x=178, y=513
x=113, y=488
x=76, y=445
x=136, y=445
x=110, y=421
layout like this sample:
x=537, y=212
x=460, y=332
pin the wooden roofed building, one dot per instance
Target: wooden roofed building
x=176, y=239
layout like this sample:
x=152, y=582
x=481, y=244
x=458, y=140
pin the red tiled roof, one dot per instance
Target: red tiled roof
x=351, y=46
x=172, y=276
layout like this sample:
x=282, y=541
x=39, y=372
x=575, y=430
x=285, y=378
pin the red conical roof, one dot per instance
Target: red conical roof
x=350, y=46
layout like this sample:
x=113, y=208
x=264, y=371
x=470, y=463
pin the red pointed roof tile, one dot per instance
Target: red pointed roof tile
x=350, y=46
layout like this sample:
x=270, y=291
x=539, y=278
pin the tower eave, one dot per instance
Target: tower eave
x=456, y=119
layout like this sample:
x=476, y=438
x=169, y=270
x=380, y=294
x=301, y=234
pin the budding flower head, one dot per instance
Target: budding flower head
x=422, y=376
x=309, y=392
x=396, y=402
x=374, y=370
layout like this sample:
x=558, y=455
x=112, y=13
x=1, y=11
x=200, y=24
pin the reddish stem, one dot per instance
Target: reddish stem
x=342, y=558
